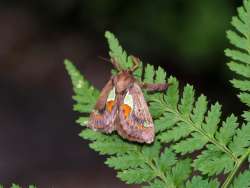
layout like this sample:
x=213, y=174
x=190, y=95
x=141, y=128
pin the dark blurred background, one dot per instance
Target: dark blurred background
x=39, y=140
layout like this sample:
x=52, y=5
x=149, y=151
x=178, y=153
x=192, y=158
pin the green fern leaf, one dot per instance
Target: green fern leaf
x=240, y=84
x=152, y=151
x=241, y=140
x=156, y=109
x=82, y=120
x=130, y=160
x=237, y=40
x=187, y=100
x=199, y=110
x=227, y=130
x=240, y=69
x=191, y=144
x=197, y=181
x=242, y=181
x=165, y=122
x=213, y=161
x=175, y=134
x=149, y=73
x=212, y=119
x=181, y=172
x=111, y=147
x=91, y=135
x=137, y=175
x=245, y=98
x=85, y=95
x=167, y=160
x=238, y=56
x=160, y=75
x=172, y=95
x=246, y=115
x=117, y=52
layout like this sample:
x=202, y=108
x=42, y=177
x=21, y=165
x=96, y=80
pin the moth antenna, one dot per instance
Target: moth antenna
x=112, y=61
x=116, y=65
x=104, y=59
x=136, y=61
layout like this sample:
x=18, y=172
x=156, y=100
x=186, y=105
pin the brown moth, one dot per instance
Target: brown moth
x=121, y=106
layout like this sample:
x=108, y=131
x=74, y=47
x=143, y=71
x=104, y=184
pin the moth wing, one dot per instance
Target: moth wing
x=104, y=114
x=135, y=121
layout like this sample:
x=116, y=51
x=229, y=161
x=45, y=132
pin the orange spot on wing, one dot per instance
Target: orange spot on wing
x=126, y=110
x=98, y=117
x=110, y=105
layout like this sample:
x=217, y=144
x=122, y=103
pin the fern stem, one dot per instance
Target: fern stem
x=235, y=169
x=209, y=138
x=160, y=174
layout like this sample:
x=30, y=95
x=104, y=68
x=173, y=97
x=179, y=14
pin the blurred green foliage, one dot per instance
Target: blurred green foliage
x=190, y=32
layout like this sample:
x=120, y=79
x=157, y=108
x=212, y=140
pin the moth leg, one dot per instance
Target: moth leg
x=116, y=65
x=136, y=62
x=154, y=86
x=101, y=102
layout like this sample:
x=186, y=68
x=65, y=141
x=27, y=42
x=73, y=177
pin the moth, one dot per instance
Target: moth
x=121, y=106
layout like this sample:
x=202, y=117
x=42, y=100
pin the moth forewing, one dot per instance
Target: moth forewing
x=103, y=116
x=135, y=121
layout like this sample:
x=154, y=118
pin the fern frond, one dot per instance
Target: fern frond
x=117, y=52
x=135, y=163
x=240, y=55
x=85, y=94
x=183, y=120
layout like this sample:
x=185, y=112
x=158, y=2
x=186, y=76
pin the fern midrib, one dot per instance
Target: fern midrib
x=160, y=174
x=156, y=169
x=202, y=132
x=235, y=169
x=199, y=130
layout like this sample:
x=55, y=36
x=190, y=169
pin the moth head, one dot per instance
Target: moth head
x=123, y=80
